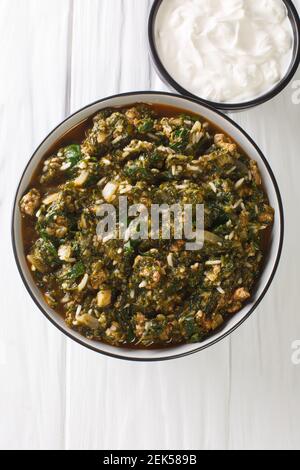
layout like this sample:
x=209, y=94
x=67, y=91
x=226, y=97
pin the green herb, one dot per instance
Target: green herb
x=46, y=252
x=75, y=272
x=179, y=139
x=146, y=126
x=136, y=172
x=72, y=154
x=128, y=249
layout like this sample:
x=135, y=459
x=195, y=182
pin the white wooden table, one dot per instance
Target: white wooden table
x=243, y=393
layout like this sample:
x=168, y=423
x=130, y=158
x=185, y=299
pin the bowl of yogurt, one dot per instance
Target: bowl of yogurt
x=231, y=54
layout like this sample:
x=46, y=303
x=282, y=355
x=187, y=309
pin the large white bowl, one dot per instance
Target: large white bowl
x=250, y=148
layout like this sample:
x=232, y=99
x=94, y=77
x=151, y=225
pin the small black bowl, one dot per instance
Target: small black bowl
x=169, y=80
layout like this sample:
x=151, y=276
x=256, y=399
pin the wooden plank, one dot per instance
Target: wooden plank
x=33, y=41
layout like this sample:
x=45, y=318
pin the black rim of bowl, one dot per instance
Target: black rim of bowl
x=169, y=80
x=198, y=346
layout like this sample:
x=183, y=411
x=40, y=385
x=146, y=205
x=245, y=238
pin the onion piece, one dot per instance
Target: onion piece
x=212, y=238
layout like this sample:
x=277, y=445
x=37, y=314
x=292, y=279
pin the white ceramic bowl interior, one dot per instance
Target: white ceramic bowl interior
x=250, y=149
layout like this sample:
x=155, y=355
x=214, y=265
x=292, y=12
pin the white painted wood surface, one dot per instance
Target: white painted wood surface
x=244, y=393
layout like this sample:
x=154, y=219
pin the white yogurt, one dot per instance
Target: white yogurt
x=225, y=50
